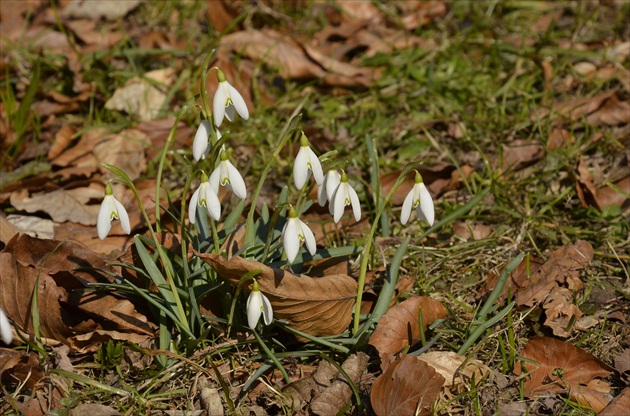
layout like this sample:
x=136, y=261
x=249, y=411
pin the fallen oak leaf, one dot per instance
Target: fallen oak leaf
x=318, y=306
x=408, y=387
x=399, y=326
x=561, y=368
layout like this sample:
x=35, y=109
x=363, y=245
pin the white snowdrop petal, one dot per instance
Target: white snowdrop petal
x=339, y=204
x=192, y=206
x=103, y=222
x=291, y=240
x=321, y=194
x=254, y=308
x=267, y=310
x=238, y=102
x=426, y=204
x=356, y=205
x=333, y=179
x=5, y=328
x=316, y=167
x=213, y=205
x=215, y=179
x=405, y=213
x=309, y=238
x=236, y=180
x=123, y=216
x=218, y=105
x=200, y=143
x=300, y=168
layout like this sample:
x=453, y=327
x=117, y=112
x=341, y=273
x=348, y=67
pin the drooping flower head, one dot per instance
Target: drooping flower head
x=201, y=145
x=326, y=191
x=227, y=175
x=344, y=195
x=258, y=304
x=111, y=210
x=420, y=199
x=294, y=233
x=305, y=161
x=5, y=328
x=227, y=100
x=204, y=196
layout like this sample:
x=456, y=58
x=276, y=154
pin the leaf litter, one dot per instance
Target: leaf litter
x=335, y=58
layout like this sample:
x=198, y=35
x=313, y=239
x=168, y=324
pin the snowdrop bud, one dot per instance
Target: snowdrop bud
x=227, y=100
x=305, y=161
x=5, y=328
x=111, y=210
x=227, y=175
x=204, y=196
x=258, y=304
x=294, y=233
x=345, y=195
x=420, y=199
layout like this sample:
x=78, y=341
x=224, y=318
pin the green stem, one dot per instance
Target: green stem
x=169, y=140
x=368, y=246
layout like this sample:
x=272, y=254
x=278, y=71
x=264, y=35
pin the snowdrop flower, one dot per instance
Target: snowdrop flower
x=329, y=185
x=344, y=195
x=227, y=175
x=295, y=232
x=227, y=100
x=420, y=199
x=201, y=146
x=306, y=160
x=5, y=328
x=204, y=196
x=111, y=210
x=258, y=304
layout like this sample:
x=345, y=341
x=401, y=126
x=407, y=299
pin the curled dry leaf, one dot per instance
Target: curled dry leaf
x=399, y=327
x=317, y=306
x=562, y=368
x=398, y=391
x=456, y=369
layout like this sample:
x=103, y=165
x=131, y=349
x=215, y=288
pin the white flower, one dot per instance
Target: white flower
x=344, y=195
x=295, y=232
x=204, y=196
x=258, y=304
x=306, y=160
x=5, y=328
x=226, y=100
x=420, y=199
x=227, y=175
x=201, y=146
x=111, y=210
x=326, y=191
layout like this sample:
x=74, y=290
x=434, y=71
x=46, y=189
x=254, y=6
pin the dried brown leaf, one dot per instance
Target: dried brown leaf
x=317, y=306
x=605, y=108
x=619, y=405
x=62, y=205
x=335, y=397
x=399, y=326
x=562, y=367
x=521, y=153
x=398, y=391
x=456, y=369
x=562, y=268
